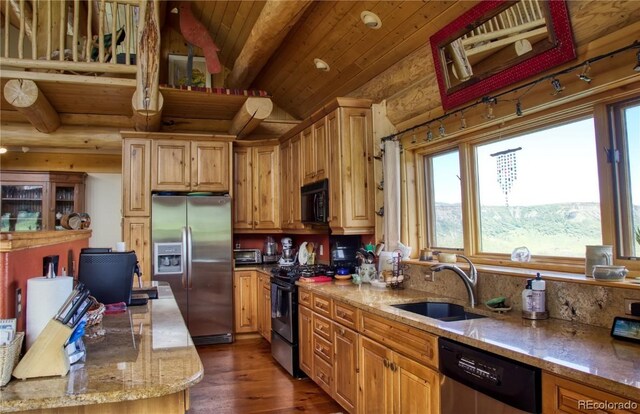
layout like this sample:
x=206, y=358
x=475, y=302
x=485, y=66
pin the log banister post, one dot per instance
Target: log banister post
x=147, y=101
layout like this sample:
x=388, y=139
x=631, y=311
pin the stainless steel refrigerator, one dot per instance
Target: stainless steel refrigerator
x=192, y=250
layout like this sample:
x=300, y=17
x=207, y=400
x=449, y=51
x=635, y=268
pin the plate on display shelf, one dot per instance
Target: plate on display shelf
x=303, y=254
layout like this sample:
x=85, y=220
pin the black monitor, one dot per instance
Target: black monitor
x=108, y=275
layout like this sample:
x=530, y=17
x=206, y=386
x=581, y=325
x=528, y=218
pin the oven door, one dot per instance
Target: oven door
x=284, y=310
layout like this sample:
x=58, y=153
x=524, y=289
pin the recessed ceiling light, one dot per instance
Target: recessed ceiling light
x=321, y=65
x=370, y=19
x=3, y=150
x=175, y=10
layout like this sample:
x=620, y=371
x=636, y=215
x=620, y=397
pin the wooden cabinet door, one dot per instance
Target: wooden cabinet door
x=286, y=187
x=171, y=165
x=305, y=336
x=375, y=378
x=266, y=179
x=136, y=177
x=308, y=156
x=345, y=367
x=245, y=301
x=320, y=143
x=210, y=166
x=266, y=300
x=416, y=387
x=335, y=174
x=560, y=395
x=296, y=178
x=260, y=305
x=242, y=188
x=136, y=233
x=358, y=210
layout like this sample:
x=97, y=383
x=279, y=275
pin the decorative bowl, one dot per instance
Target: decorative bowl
x=609, y=273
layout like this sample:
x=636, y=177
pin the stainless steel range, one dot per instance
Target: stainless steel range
x=284, y=313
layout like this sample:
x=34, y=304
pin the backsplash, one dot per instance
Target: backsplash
x=592, y=305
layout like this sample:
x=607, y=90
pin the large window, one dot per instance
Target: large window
x=445, y=211
x=540, y=190
x=625, y=155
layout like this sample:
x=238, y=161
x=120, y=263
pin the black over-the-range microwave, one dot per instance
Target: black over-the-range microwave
x=315, y=202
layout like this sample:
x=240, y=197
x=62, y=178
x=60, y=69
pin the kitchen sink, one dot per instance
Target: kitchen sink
x=442, y=311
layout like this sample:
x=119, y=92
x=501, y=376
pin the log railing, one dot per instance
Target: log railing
x=75, y=36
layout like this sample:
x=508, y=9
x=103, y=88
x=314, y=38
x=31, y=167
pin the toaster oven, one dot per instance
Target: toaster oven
x=247, y=256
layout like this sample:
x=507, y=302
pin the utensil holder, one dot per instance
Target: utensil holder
x=9, y=355
x=47, y=356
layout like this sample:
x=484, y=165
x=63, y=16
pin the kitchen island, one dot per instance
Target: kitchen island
x=141, y=360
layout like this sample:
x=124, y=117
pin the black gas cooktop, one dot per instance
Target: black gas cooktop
x=295, y=272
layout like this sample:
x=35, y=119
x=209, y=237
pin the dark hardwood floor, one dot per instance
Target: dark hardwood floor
x=243, y=378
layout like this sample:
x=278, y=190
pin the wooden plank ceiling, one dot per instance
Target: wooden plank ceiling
x=334, y=32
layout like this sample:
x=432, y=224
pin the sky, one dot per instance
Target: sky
x=555, y=165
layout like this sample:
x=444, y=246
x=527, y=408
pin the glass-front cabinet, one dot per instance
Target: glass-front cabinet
x=32, y=201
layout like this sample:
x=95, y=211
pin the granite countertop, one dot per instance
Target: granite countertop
x=261, y=267
x=146, y=352
x=581, y=352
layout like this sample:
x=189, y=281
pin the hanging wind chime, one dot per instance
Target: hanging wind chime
x=507, y=170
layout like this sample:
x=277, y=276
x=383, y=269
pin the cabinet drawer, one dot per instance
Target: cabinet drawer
x=323, y=348
x=412, y=342
x=322, y=305
x=304, y=298
x=322, y=374
x=322, y=326
x=560, y=395
x=345, y=315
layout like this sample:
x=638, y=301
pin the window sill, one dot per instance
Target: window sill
x=632, y=281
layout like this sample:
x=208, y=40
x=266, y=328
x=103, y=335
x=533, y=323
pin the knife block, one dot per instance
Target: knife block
x=47, y=356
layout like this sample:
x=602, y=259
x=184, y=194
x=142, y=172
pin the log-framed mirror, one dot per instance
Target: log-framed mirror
x=498, y=43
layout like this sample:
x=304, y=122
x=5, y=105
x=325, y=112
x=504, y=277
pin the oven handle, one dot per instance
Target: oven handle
x=285, y=288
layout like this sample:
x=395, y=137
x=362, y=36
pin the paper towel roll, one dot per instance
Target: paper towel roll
x=44, y=298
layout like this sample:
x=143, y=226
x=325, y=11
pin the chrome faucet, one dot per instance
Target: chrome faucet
x=470, y=281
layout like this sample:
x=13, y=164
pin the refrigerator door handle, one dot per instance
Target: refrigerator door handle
x=184, y=254
x=190, y=256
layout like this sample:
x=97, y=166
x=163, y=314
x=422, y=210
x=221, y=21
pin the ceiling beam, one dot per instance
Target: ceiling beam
x=25, y=96
x=250, y=115
x=75, y=137
x=273, y=24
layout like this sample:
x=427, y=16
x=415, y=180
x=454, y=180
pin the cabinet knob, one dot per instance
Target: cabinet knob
x=386, y=363
x=393, y=366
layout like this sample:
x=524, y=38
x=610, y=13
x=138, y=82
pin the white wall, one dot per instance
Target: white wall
x=103, y=195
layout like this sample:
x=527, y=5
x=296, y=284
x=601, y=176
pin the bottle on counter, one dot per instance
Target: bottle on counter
x=538, y=295
x=527, y=297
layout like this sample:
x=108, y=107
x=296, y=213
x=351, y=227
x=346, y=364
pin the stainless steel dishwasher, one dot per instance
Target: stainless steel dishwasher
x=480, y=382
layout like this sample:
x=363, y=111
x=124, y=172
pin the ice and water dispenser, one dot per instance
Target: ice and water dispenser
x=168, y=258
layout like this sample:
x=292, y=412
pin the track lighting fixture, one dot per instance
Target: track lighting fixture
x=463, y=121
x=413, y=139
x=637, y=67
x=441, y=129
x=584, y=76
x=557, y=86
x=429, y=134
x=518, y=108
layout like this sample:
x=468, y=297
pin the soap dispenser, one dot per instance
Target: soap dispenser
x=538, y=305
x=526, y=297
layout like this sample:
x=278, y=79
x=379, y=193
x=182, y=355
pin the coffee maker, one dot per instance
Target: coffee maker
x=288, y=252
x=270, y=252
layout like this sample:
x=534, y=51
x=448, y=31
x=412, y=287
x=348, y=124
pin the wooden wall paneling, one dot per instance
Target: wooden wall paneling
x=226, y=24
x=240, y=20
x=60, y=161
x=136, y=233
x=591, y=20
x=243, y=35
x=136, y=177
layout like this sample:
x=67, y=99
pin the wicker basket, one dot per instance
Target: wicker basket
x=95, y=313
x=9, y=355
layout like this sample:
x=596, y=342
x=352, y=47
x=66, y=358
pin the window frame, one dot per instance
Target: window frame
x=465, y=142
